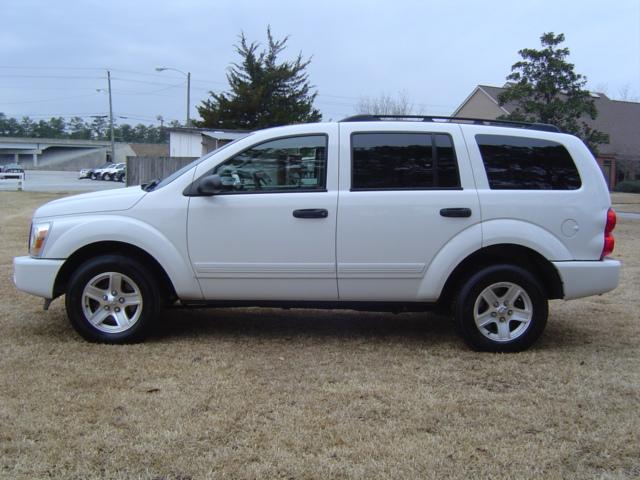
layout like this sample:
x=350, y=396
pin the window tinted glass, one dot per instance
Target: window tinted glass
x=295, y=163
x=395, y=161
x=520, y=163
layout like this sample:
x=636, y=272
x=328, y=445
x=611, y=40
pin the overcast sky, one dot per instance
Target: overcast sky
x=53, y=54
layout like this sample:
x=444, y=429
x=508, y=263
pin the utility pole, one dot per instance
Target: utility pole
x=113, y=142
x=188, y=98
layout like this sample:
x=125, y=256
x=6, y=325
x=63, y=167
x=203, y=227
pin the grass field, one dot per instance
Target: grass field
x=262, y=393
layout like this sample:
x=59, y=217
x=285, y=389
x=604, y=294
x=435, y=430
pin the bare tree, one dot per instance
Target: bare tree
x=627, y=94
x=386, y=105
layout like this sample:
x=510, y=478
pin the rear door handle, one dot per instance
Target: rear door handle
x=311, y=213
x=456, y=212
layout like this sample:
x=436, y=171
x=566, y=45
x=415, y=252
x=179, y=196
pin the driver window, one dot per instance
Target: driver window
x=286, y=164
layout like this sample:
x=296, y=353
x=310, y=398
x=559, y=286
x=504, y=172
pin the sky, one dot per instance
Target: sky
x=54, y=54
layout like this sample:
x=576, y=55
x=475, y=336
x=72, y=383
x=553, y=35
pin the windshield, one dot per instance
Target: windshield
x=167, y=180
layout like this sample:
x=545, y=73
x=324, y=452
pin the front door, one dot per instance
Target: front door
x=270, y=235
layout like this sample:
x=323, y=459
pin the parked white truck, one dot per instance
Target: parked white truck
x=491, y=219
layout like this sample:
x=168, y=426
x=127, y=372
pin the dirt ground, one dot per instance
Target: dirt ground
x=262, y=393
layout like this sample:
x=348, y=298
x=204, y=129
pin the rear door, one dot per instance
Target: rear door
x=405, y=191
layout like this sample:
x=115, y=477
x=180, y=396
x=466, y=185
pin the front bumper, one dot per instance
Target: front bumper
x=36, y=276
x=582, y=279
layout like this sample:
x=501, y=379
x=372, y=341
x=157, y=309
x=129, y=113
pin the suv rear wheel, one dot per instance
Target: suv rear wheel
x=112, y=299
x=501, y=308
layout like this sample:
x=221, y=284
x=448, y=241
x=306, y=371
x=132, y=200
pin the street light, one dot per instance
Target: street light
x=188, y=75
x=113, y=141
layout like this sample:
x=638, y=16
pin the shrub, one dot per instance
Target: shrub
x=628, y=186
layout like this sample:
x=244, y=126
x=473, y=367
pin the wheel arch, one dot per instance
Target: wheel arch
x=512, y=254
x=95, y=249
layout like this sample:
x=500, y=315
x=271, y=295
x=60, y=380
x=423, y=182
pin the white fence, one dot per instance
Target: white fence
x=11, y=179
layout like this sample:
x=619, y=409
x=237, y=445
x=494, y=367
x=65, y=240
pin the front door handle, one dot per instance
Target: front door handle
x=456, y=212
x=311, y=213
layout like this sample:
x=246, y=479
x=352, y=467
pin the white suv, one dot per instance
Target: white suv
x=372, y=213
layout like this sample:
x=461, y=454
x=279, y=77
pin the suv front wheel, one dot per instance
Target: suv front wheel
x=112, y=299
x=501, y=308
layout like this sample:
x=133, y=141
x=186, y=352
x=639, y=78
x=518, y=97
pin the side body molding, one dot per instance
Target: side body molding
x=118, y=228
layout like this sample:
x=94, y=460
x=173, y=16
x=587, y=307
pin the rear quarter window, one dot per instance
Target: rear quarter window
x=522, y=163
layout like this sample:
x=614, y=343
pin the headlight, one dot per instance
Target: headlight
x=38, y=237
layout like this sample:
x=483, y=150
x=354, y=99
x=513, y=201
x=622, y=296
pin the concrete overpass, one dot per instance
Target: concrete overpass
x=71, y=154
x=15, y=149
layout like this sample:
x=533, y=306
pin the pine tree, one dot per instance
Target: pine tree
x=545, y=88
x=264, y=92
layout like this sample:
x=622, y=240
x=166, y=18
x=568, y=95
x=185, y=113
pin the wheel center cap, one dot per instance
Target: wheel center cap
x=501, y=309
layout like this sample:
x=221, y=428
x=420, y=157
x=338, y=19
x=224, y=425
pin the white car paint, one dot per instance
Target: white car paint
x=373, y=246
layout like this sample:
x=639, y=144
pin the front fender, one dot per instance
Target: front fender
x=68, y=235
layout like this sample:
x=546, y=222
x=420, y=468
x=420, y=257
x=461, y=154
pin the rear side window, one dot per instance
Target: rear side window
x=521, y=163
x=403, y=161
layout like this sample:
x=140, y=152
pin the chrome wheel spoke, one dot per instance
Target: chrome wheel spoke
x=485, y=319
x=521, y=316
x=99, y=316
x=490, y=297
x=130, y=299
x=115, y=282
x=512, y=295
x=95, y=293
x=495, y=310
x=503, y=330
x=121, y=318
x=107, y=307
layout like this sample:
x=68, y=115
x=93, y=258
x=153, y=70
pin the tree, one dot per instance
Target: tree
x=264, y=92
x=78, y=128
x=545, y=88
x=385, y=105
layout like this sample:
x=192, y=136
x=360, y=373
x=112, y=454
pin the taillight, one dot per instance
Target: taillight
x=609, y=241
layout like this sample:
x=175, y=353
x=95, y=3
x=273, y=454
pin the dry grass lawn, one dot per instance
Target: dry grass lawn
x=626, y=202
x=261, y=393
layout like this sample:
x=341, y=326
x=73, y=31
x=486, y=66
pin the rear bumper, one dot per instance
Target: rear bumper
x=582, y=279
x=36, y=276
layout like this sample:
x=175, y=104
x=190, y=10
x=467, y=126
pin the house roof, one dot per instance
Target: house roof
x=150, y=149
x=619, y=119
x=205, y=130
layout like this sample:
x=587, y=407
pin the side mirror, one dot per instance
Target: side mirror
x=209, y=185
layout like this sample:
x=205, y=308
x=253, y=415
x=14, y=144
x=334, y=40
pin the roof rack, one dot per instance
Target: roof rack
x=546, y=127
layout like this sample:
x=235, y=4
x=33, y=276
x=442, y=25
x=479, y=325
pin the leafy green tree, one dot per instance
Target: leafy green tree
x=264, y=92
x=100, y=128
x=53, y=128
x=9, y=127
x=79, y=129
x=545, y=88
x=27, y=127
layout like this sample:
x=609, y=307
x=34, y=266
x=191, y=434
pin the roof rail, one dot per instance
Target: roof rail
x=546, y=127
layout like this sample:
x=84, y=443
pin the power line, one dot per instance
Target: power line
x=65, y=77
x=48, y=99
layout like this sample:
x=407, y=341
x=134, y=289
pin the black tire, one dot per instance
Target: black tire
x=515, y=319
x=105, y=176
x=93, y=176
x=101, y=273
